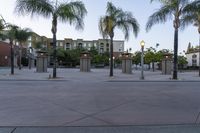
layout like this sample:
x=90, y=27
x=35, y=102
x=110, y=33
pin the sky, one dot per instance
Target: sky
x=141, y=10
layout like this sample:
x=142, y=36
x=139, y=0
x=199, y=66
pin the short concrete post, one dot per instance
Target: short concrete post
x=126, y=63
x=85, y=62
x=167, y=64
x=41, y=62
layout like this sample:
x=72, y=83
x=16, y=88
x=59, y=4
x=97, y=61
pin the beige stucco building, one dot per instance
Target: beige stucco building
x=192, y=55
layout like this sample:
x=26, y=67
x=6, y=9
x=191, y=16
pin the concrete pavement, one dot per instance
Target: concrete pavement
x=94, y=75
x=98, y=103
x=72, y=103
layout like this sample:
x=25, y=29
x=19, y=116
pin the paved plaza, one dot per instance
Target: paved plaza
x=98, y=75
x=95, y=100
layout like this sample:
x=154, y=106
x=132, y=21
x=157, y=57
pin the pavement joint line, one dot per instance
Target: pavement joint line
x=85, y=114
x=70, y=122
x=196, y=121
x=89, y=115
x=13, y=130
x=69, y=109
x=108, y=122
x=59, y=105
x=74, y=110
x=111, y=108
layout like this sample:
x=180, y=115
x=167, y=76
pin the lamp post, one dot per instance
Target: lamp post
x=142, y=43
x=30, y=57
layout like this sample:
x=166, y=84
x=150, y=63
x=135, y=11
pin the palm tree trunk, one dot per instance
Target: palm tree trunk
x=11, y=58
x=29, y=62
x=54, y=30
x=153, y=66
x=175, y=53
x=111, y=56
x=54, y=55
x=199, y=52
x=20, y=58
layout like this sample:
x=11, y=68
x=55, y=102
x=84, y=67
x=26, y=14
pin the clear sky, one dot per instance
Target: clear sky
x=141, y=9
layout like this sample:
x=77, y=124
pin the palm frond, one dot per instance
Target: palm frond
x=110, y=8
x=187, y=20
x=117, y=18
x=103, y=26
x=126, y=21
x=10, y=32
x=160, y=16
x=38, y=7
x=191, y=14
x=74, y=12
x=23, y=34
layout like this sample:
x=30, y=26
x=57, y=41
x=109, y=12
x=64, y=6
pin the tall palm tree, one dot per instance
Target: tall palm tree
x=191, y=15
x=72, y=12
x=8, y=31
x=22, y=36
x=10, y=34
x=169, y=9
x=116, y=18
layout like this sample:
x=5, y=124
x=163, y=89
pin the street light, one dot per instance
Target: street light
x=142, y=43
x=30, y=50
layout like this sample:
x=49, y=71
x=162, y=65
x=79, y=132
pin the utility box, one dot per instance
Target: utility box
x=126, y=63
x=85, y=62
x=167, y=64
x=41, y=62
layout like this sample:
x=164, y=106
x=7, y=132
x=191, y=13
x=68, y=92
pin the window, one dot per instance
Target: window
x=30, y=38
x=67, y=46
x=194, y=56
x=80, y=45
x=95, y=45
x=107, y=45
x=85, y=45
x=101, y=45
x=194, y=62
x=101, y=50
x=61, y=44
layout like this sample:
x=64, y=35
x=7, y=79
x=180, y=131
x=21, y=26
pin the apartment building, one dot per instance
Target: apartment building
x=102, y=45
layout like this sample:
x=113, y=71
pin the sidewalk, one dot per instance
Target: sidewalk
x=114, y=129
x=94, y=75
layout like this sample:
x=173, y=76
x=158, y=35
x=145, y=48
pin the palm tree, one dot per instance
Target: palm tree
x=169, y=9
x=21, y=36
x=8, y=31
x=116, y=18
x=192, y=16
x=10, y=34
x=72, y=12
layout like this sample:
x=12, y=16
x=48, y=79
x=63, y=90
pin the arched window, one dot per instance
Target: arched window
x=194, y=56
x=80, y=45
